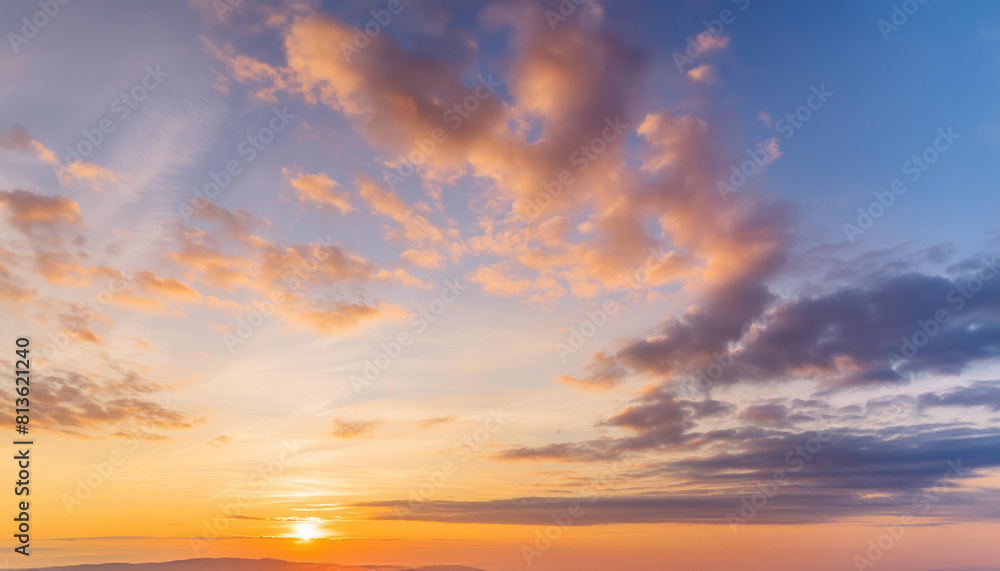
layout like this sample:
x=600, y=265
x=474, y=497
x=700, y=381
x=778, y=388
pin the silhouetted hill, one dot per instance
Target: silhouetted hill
x=232, y=564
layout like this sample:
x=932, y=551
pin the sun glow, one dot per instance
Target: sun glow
x=307, y=531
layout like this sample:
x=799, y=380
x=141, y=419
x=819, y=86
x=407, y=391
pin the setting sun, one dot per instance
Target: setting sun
x=500, y=285
x=307, y=531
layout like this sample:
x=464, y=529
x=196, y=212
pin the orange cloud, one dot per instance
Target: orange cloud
x=414, y=227
x=402, y=276
x=211, y=266
x=354, y=428
x=319, y=189
x=12, y=290
x=550, y=154
x=94, y=175
x=602, y=373
x=704, y=72
x=498, y=279
x=709, y=41
x=423, y=258
x=29, y=211
x=60, y=268
x=333, y=320
x=45, y=153
x=168, y=286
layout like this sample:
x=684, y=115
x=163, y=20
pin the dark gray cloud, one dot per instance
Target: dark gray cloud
x=774, y=414
x=979, y=394
x=885, y=331
x=826, y=476
x=657, y=420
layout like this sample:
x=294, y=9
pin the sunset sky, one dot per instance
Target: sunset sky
x=698, y=284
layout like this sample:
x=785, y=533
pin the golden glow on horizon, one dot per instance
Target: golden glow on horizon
x=307, y=531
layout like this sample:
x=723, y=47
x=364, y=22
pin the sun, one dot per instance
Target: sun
x=307, y=531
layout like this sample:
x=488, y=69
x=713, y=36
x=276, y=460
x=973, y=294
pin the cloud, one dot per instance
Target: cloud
x=602, y=373
x=766, y=414
x=209, y=265
x=431, y=422
x=332, y=320
x=348, y=429
x=320, y=190
x=47, y=155
x=33, y=213
x=297, y=275
x=423, y=258
x=852, y=473
x=402, y=276
x=89, y=173
x=16, y=139
x=984, y=394
x=313, y=263
x=709, y=41
x=704, y=72
x=570, y=87
x=269, y=264
x=658, y=420
x=414, y=227
x=219, y=441
x=61, y=268
x=852, y=336
x=237, y=223
x=13, y=291
x=100, y=405
x=169, y=287
x=499, y=279
x=840, y=338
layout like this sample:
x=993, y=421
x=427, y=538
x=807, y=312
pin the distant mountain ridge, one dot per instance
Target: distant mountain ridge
x=234, y=564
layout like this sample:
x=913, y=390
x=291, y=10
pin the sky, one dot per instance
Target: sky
x=578, y=285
